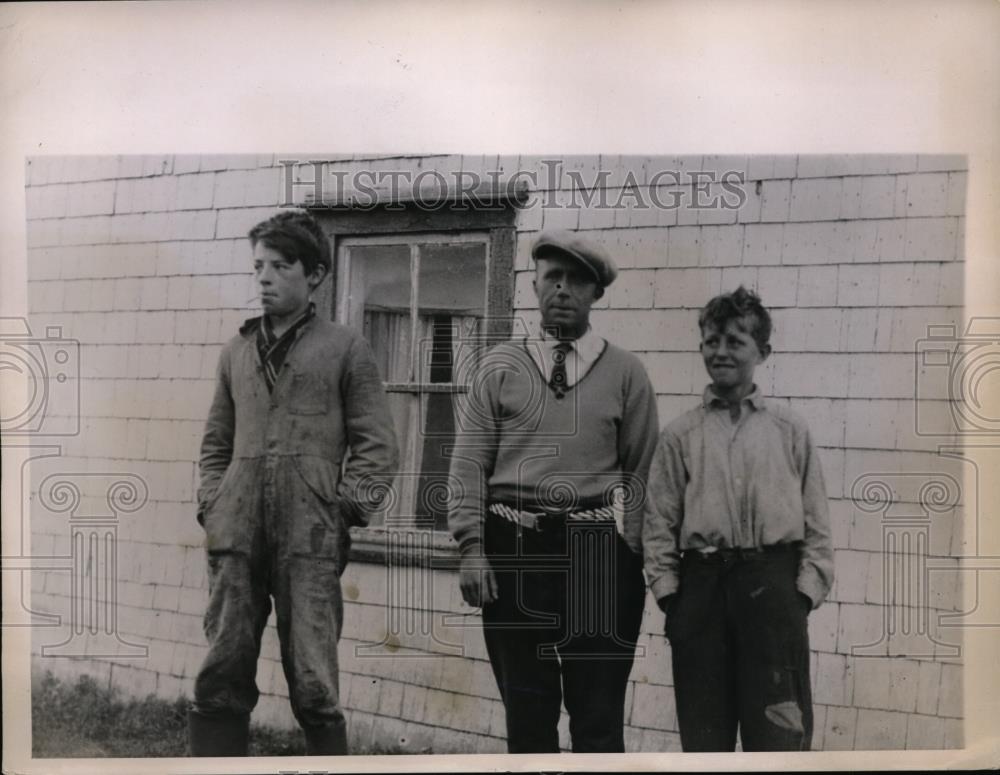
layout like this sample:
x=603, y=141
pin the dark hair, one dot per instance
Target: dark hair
x=296, y=235
x=741, y=303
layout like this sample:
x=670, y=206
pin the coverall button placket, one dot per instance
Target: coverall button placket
x=271, y=459
x=270, y=496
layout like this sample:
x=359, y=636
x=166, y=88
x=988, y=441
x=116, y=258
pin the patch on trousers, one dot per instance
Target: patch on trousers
x=786, y=715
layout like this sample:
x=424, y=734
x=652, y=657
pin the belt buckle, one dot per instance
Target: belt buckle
x=745, y=553
x=727, y=555
x=548, y=521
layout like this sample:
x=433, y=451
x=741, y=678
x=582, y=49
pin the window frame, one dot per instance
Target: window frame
x=414, y=388
x=498, y=221
x=413, y=241
x=405, y=221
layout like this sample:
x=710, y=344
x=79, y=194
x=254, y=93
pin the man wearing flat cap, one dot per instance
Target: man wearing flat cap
x=555, y=441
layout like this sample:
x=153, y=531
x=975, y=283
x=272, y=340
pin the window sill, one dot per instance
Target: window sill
x=404, y=546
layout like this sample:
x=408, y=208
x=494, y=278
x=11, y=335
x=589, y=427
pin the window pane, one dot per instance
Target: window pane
x=452, y=302
x=451, y=296
x=403, y=406
x=379, y=305
x=425, y=427
x=453, y=278
x=437, y=433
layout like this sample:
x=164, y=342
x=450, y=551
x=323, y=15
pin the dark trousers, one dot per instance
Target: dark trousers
x=564, y=627
x=740, y=648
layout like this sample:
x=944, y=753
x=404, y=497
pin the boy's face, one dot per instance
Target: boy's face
x=284, y=285
x=731, y=355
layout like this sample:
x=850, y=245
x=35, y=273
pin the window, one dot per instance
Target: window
x=421, y=303
x=428, y=293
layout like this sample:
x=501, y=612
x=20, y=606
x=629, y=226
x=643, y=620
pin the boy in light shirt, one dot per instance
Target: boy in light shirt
x=736, y=542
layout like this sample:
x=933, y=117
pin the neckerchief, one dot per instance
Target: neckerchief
x=273, y=348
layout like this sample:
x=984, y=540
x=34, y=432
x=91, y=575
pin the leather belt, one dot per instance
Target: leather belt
x=729, y=554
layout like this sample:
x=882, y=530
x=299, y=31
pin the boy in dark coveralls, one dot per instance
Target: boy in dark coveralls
x=296, y=396
x=736, y=539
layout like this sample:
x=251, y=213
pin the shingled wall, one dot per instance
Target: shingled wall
x=144, y=261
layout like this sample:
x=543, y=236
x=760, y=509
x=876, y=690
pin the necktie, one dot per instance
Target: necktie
x=558, y=379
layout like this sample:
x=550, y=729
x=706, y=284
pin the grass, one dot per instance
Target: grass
x=87, y=720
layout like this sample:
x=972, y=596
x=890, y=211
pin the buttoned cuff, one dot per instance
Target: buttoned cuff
x=471, y=546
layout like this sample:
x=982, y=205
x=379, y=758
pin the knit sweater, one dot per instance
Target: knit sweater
x=518, y=443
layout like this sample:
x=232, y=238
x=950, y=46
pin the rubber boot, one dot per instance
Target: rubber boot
x=218, y=734
x=326, y=740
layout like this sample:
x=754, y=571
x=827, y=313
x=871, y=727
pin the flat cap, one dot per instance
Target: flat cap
x=571, y=244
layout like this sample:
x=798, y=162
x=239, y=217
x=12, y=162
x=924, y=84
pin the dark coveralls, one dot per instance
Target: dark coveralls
x=276, y=513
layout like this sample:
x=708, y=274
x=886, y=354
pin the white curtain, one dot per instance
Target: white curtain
x=388, y=332
x=466, y=346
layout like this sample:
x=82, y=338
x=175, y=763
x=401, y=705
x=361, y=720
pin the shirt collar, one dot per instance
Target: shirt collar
x=710, y=400
x=589, y=346
x=251, y=325
x=294, y=327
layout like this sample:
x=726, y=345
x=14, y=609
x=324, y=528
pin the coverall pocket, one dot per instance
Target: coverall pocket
x=228, y=512
x=213, y=497
x=321, y=529
x=310, y=394
x=318, y=476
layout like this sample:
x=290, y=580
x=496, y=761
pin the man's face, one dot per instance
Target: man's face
x=731, y=355
x=284, y=285
x=566, y=291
